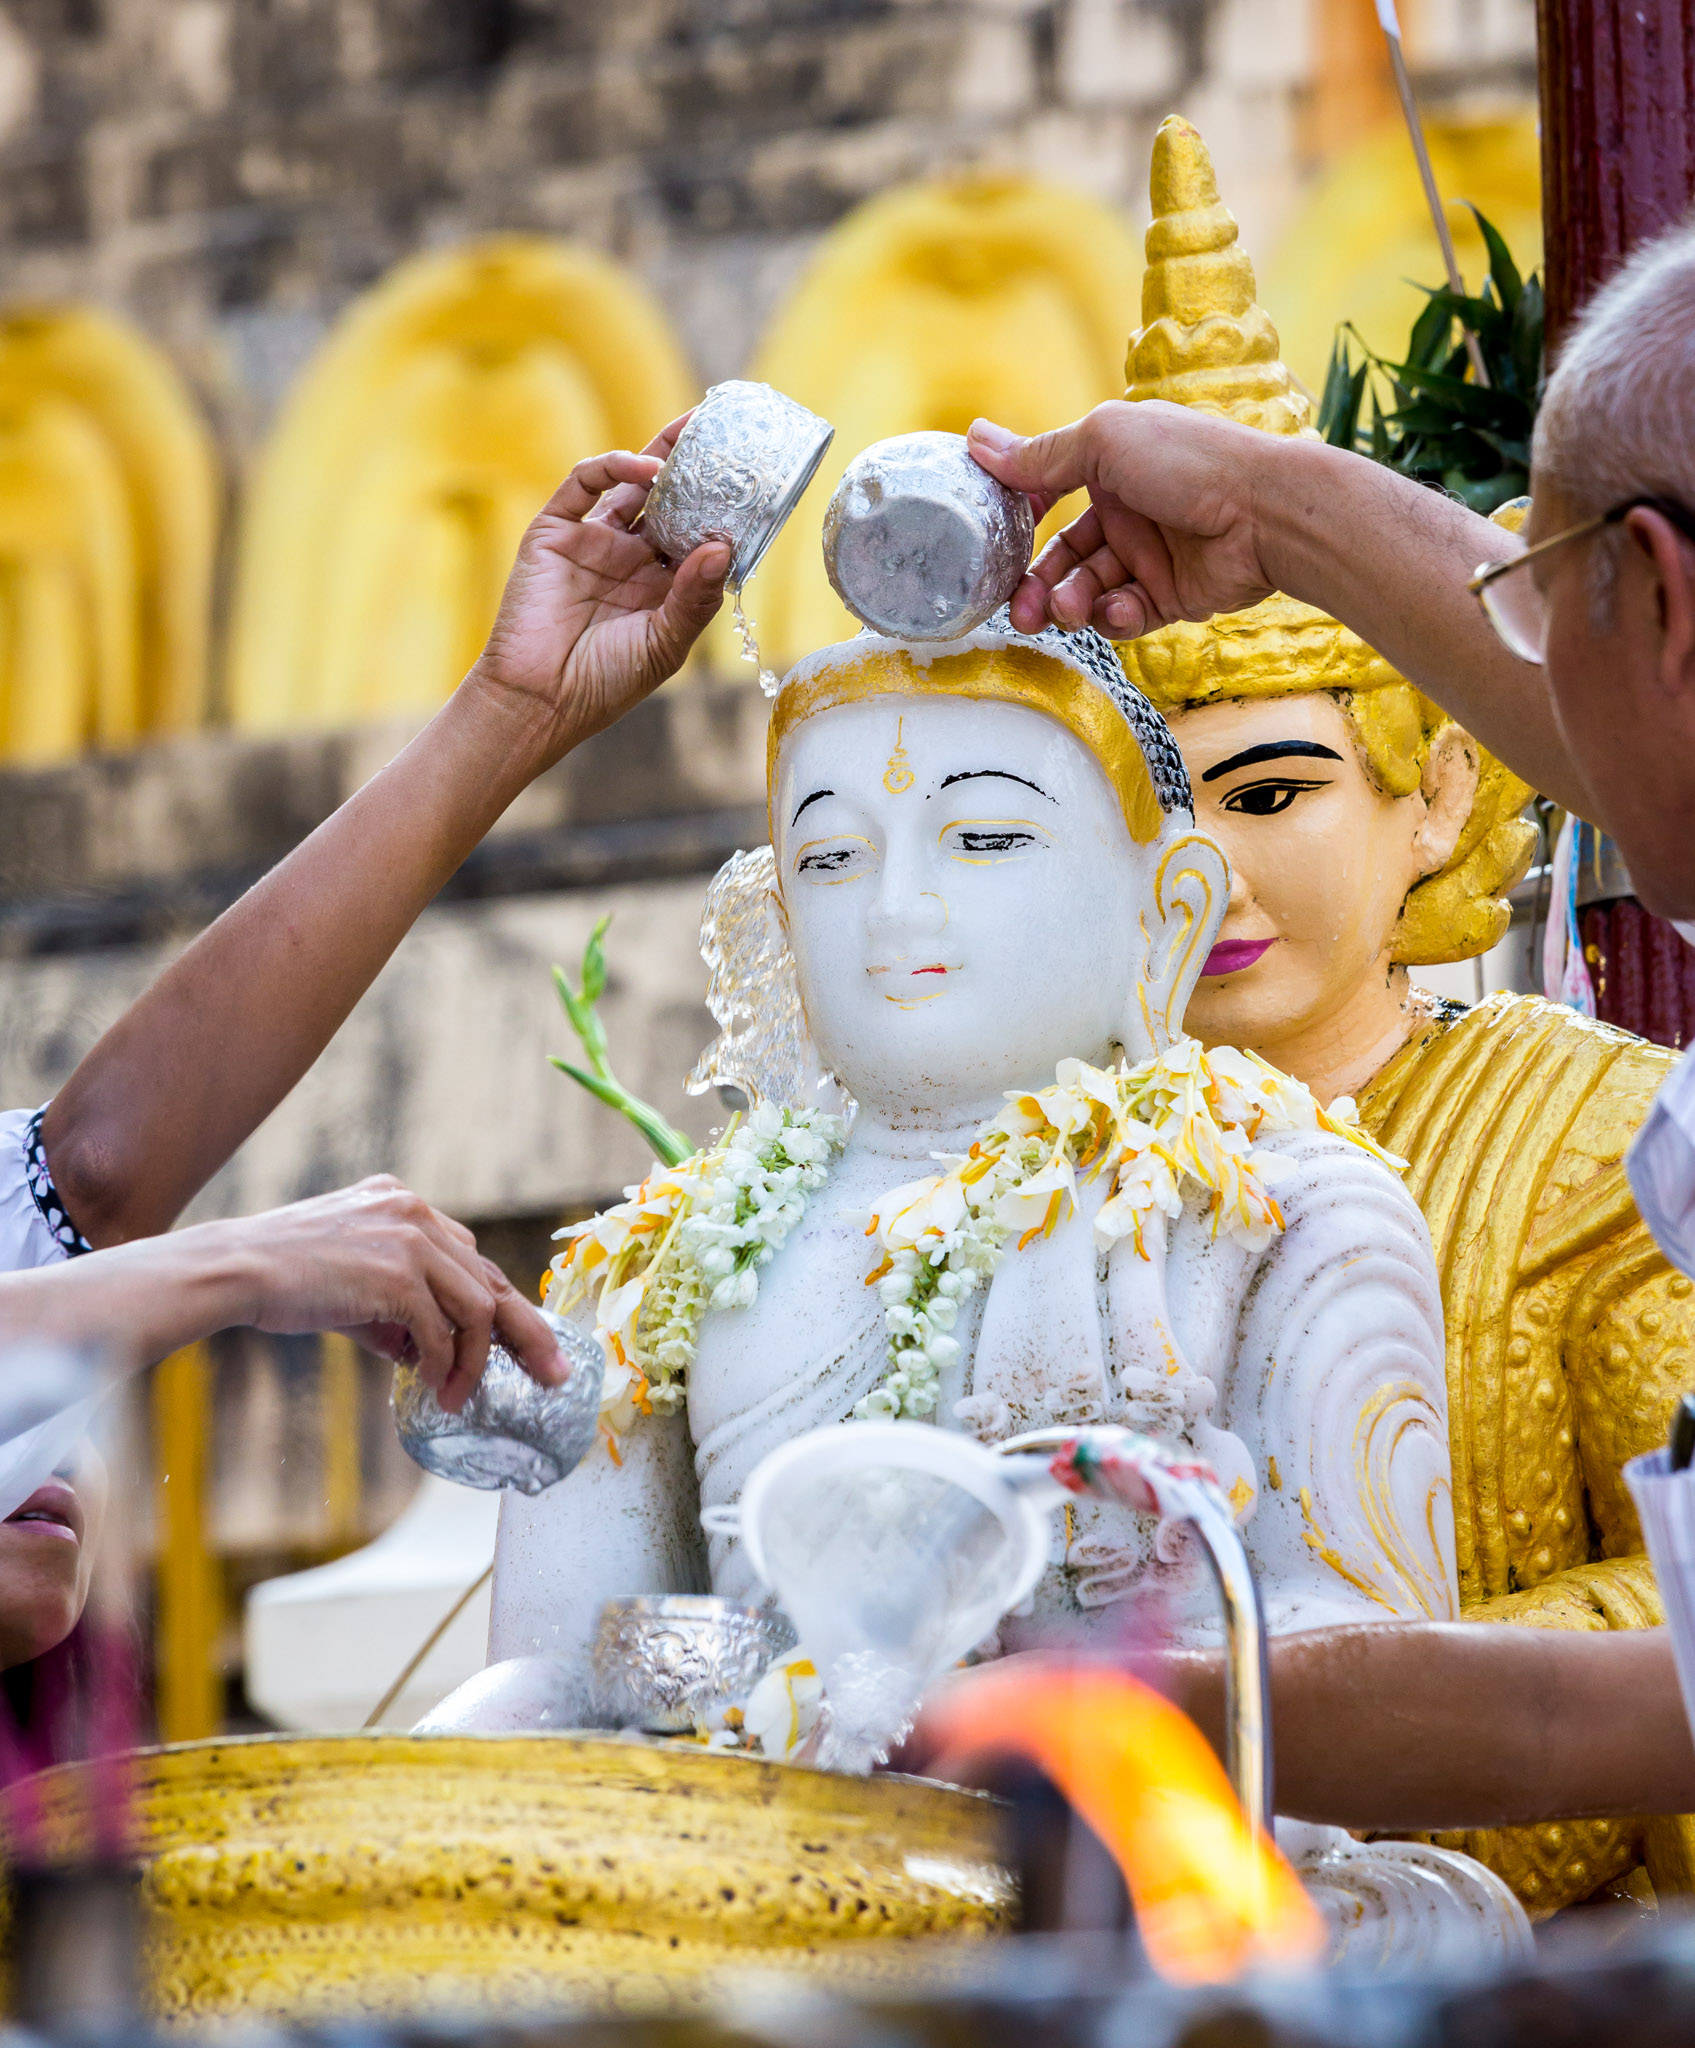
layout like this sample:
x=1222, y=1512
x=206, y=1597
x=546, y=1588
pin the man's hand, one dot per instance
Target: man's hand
x=592, y=620
x=1170, y=530
x=377, y=1261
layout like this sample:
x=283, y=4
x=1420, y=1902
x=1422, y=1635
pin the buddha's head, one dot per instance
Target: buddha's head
x=983, y=861
x=1366, y=831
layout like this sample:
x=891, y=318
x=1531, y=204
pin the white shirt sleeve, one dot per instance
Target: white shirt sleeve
x=27, y=1202
x=1661, y=1166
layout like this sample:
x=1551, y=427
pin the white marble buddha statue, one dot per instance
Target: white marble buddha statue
x=984, y=864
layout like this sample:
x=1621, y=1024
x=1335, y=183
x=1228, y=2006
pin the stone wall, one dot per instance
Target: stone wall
x=231, y=172
x=441, y=1074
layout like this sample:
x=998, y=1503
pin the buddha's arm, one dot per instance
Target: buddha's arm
x=1338, y=1378
x=1191, y=515
x=1462, y=1724
x=608, y=1529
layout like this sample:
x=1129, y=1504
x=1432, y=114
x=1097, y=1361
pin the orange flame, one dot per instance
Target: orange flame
x=1210, y=1900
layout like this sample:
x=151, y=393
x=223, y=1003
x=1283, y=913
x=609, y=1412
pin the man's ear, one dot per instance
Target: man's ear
x=1667, y=558
x=1191, y=892
x=1449, y=788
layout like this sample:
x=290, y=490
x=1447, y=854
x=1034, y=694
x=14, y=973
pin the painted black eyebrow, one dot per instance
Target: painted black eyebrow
x=812, y=799
x=1002, y=774
x=1271, y=750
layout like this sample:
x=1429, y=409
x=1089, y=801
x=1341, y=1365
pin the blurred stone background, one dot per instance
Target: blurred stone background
x=274, y=407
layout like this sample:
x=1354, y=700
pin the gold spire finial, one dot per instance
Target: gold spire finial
x=1203, y=341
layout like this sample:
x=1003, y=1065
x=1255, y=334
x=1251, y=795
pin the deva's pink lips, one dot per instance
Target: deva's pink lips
x=1230, y=956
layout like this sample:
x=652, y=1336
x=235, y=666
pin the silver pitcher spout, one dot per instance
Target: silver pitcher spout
x=1118, y=1464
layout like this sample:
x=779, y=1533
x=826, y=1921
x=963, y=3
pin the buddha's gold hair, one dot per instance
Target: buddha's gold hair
x=1205, y=342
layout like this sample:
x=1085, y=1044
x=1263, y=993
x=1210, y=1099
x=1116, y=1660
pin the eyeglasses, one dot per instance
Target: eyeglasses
x=1515, y=606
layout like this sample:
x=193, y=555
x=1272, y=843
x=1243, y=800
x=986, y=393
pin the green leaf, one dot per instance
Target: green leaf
x=1503, y=271
x=1513, y=450
x=1344, y=389
x=568, y=997
x=584, y=1020
x=1485, y=319
x=669, y=1144
x=1470, y=401
x=1528, y=320
x=1483, y=494
x=1333, y=403
x=1429, y=339
x=594, y=962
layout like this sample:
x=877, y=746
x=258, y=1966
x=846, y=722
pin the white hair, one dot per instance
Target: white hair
x=1617, y=418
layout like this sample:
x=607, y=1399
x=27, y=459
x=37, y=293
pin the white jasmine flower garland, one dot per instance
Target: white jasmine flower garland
x=1186, y=1119
x=690, y=1237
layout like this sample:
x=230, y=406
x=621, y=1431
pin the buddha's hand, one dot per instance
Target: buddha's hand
x=1169, y=532
x=592, y=620
x=376, y=1261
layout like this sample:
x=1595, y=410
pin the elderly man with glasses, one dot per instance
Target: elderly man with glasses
x=1569, y=652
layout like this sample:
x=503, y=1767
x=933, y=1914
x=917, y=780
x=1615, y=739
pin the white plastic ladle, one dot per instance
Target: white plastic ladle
x=894, y=1547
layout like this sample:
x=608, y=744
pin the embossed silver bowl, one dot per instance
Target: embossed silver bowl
x=665, y=1662
x=513, y=1432
x=736, y=474
x=921, y=542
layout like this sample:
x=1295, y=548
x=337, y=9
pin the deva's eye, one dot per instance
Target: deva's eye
x=835, y=860
x=1266, y=799
x=985, y=840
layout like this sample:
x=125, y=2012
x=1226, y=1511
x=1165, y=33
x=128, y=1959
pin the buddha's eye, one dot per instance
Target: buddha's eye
x=985, y=840
x=1266, y=799
x=835, y=860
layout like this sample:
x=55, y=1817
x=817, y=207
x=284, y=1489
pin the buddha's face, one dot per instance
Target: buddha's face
x=964, y=901
x=1321, y=862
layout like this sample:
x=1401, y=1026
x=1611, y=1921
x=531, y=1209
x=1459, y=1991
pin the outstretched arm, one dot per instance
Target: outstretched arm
x=1402, y=1725
x=1190, y=515
x=374, y=1260
x=1464, y=1724
x=591, y=622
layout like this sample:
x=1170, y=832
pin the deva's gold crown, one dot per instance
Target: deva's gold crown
x=1204, y=342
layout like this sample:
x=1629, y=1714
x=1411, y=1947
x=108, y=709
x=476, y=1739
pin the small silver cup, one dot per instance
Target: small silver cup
x=666, y=1662
x=513, y=1432
x=736, y=474
x=921, y=542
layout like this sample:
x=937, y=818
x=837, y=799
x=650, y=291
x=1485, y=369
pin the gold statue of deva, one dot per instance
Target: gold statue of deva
x=1369, y=833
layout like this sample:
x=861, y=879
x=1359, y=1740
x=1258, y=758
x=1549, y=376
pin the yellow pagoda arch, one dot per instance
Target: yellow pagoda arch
x=992, y=293
x=108, y=525
x=432, y=425
x=1361, y=241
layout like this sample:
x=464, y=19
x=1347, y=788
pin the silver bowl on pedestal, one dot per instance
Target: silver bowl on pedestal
x=921, y=542
x=513, y=1432
x=736, y=473
x=667, y=1662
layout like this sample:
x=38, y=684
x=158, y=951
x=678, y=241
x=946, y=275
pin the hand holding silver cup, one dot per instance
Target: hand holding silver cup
x=513, y=1432
x=736, y=473
x=921, y=542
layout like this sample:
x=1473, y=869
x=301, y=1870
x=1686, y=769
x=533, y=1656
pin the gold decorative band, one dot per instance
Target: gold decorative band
x=1008, y=675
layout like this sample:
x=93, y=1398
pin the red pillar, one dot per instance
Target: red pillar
x=1618, y=135
x=1618, y=165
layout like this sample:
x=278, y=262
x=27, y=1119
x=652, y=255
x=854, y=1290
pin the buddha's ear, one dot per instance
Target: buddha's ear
x=1191, y=890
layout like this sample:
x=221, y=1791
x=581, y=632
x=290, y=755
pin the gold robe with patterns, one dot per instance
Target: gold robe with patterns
x=1569, y=1338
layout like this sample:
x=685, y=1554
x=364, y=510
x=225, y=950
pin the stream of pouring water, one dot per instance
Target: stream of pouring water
x=750, y=645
